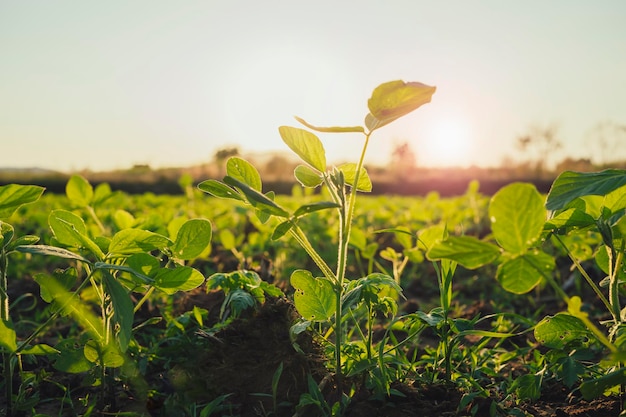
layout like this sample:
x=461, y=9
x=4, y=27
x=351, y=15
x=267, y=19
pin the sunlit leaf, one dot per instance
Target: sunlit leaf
x=522, y=273
x=517, y=217
x=394, y=99
x=218, y=189
x=333, y=129
x=106, y=356
x=310, y=208
x=129, y=241
x=306, y=145
x=597, y=387
x=50, y=251
x=79, y=191
x=466, y=250
x=245, y=172
x=314, y=297
x=192, y=239
x=570, y=185
x=307, y=176
x=570, y=219
x=257, y=199
x=557, y=331
x=8, y=338
x=123, y=313
x=349, y=173
x=12, y=196
x=183, y=278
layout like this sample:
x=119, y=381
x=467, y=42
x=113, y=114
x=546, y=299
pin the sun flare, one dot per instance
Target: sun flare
x=447, y=143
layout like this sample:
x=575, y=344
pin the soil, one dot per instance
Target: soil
x=240, y=360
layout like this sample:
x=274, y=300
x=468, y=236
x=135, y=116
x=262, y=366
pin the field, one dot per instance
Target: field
x=232, y=300
x=166, y=305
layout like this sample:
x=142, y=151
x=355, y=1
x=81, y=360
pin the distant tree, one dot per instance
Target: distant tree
x=221, y=155
x=540, y=143
x=279, y=167
x=605, y=140
x=571, y=164
x=403, y=161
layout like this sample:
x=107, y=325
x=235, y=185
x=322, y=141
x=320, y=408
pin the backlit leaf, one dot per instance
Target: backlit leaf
x=218, y=189
x=465, y=250
x=314, y=297
x=517, y=217
x=129, y=241
x=192, y=239
x=394, y=99
x=8, y=338
x=307, y=176
x=333, y=129
x=183, y=278
x=12, y=196
x=79, y=191
x=349, y=173
x=522, y=273
x=570, y=185
x=256, y=198
x=309, y=208
x=123, y=313
x=245, y=172
x=556, y=331
x=306, y=145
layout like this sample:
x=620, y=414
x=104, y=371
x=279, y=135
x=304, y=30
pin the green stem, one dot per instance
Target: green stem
x=582, y=271
x=4, y=315
x=301, y=238
x=615, y=260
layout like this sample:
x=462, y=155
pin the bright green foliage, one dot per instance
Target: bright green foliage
x=306, y=145
x=79, y=191
x=129, y=241
x=7, y=336
x=308, y=177
x=242, y=170
x=192, y=239
x=522, y=273
x=349, y=173
x=314, y=297
x=517, y=217
x=466, y=250
x=570, y=185
x=557, y=331
x=12, y=196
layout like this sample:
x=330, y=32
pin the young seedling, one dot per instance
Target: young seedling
x=323, y=299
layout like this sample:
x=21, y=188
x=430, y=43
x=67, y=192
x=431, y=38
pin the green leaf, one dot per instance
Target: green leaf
x=349, y=173
x=257, y=199
x=129, y=241
x=517, y=217
x=306, y=145
x=12, y=196
x=106, y=356
x=67, y=227
x=310, y=208
x=72, y=358
x=245, y=172
x=333, y=129
x=50, y=251
x=282, y=229
x=123, y=219
x=123, y=313
x=314, y=297
x=51, y=285
x=40, y=349
x=556, y=331
x=192, y=239
x=22, y=240
x=394, y=99
x=70, y=230
x=220, y=190
x=466, y=250
x=8, y=338
x=570, y=185
x=595, y=388
x=182, y=278
x=570, y=219
x=307, y=176
x=6, y=234
x=522, y=273
x=79, y=191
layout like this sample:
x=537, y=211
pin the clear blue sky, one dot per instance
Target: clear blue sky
x=104, y=85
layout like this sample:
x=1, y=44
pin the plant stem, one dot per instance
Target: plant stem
x=4, y=315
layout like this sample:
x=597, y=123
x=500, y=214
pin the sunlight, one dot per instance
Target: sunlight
x=447, y=143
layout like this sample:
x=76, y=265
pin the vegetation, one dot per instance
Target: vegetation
x=255, y=303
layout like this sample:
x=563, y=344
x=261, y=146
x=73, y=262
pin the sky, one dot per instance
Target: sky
x=107, y=85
